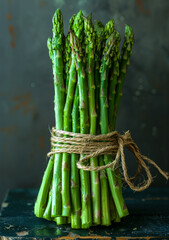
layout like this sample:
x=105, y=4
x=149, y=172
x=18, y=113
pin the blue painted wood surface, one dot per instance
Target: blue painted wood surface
x=149, y=218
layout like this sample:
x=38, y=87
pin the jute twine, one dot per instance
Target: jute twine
x=89, y=146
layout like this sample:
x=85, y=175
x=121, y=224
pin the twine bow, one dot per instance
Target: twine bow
x=89, y=146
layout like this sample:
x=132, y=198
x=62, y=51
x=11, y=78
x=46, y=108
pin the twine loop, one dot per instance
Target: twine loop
x=90, y=146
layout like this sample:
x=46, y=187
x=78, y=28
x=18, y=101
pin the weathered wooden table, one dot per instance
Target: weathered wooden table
x=149, y=218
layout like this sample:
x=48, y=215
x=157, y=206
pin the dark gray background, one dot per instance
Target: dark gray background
x=26, y=90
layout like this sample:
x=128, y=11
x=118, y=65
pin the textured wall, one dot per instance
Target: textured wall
x=26, y=92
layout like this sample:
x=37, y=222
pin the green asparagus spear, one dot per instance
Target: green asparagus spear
x=90, y=54
x=108, y=30
x=114, y=73
x=78, y=31
x=66, y=207
x=113, y=210
x=75, y=184
x=47, y=213
x=42, y=197
x=105, y=211
x=115, y=190
x=68, y=52
x=78, y=28
x=41, y=201
x=57, y=47
x=60, y=220
x=105, y=206
x=84, y=128
x=68, y=220
x=49, y=45
x=124, y=62
x=99, y=29
x=104, y=70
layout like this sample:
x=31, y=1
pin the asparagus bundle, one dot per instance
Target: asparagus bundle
x=89, y=68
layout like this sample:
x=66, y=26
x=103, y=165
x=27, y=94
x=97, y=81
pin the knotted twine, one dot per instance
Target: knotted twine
x=89, y=146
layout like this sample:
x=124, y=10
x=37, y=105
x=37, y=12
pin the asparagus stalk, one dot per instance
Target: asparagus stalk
x=99, y=29
x=114, y=73
x=67, y=59
x=42, y=197
x=60, y=220
x=113, y=210
x=78, y=28
x=108, y=30
x=105, y=211
x=75, y=188
x=66, y=207
x=69, y=220
x=124, y=62
x=41, y=201
x=47, y=213
x=115, y=190
x=57, y=47
x=90, y=53
x=104, y=119
x=105, y=34
x=85, y=177
x=68, y=52
x=84, y=128
x=113, y=181
x=108, y=53
x=105, y=206
x=75, y=185
x=117, y=94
